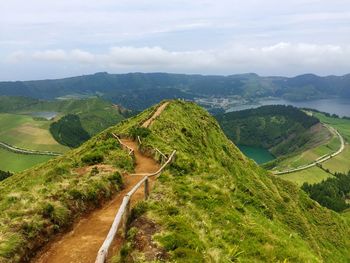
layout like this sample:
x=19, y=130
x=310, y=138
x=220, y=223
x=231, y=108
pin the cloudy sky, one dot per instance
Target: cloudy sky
x=51, y=39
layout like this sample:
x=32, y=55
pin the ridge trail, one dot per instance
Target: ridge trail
x=82, y=243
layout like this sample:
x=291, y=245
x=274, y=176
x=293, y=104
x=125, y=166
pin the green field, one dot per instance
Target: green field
x=14, y=162
x=331, y=145
x=28, y=133
x=312, y=175
x=342, y=125
x=339, y=163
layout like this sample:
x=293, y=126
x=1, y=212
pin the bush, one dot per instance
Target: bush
x=139, y=131
x=92, y=158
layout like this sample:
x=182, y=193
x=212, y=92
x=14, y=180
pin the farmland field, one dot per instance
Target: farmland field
x=331, y=145
x=28, y=133
x=311, y=176
x=25, y=132
x=14, y=162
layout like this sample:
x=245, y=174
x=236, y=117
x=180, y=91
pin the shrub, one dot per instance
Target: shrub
x=92, y=158
x=116, y=178
x=139, y=131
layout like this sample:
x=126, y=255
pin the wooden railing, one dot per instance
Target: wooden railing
x=131, y=151
x=124, y=209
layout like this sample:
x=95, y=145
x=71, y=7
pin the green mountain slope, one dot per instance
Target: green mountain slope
x=138, y=91
x=212, y=205
x=215, y=205
x=281, y=129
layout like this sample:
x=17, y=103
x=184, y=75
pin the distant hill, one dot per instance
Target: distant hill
x=93, y=114
x=138, y=91
x=211, y=205
x=281, y=129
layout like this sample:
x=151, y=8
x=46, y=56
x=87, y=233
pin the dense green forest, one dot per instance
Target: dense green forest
x=333, y=193
x=138, y=91
x=69, y=131
x=282, y=129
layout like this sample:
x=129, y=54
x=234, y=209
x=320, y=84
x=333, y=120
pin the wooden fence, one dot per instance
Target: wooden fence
x=124, y=209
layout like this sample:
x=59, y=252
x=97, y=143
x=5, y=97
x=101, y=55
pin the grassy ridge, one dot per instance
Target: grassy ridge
x=45, y=200
x=215, y=205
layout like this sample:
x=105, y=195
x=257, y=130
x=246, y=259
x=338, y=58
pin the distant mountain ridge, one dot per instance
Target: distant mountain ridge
x=140, y=90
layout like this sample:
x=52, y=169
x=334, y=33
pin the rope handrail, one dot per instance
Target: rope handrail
x=125, y=207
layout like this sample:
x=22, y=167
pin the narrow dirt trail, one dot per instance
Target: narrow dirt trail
x=160, y=109
x=82, y=243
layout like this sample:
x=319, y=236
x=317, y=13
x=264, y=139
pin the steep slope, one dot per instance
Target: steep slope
x=215, y=205
x=278, y=128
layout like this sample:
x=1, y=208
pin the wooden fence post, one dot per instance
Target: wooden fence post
x=146, y=189
x=126, y=217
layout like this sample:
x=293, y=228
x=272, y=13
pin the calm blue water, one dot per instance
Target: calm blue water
x=340, y=107
x=258, y=154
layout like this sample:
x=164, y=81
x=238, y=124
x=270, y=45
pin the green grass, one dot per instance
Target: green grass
x=27, y=132
x=41, y=202
x=328, y=146
x=339, y=163
x=312, y=175
x=214, y=205
x=14, y=162
x=342, y=125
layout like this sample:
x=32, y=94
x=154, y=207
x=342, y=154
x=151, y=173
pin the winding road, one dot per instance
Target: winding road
x=25, y=151
x=319, y=160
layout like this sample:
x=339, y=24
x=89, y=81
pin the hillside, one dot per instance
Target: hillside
x=138, y=91
x=212, y=205
x=281, y=129
x=215, y=205
x=43, y=125
x=94, y=113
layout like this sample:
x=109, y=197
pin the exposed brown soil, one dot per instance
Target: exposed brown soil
x=160, y=109
x=82, y=243
x=143, y=240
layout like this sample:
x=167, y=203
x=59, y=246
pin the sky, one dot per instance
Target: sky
x=41, y=39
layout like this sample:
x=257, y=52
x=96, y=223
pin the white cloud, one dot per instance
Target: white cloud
x=201, y=36
x=278, y=58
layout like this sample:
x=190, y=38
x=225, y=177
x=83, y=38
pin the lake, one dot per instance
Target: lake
x=258, y=154
x=340, y=107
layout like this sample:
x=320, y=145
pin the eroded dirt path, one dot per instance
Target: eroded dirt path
x=160, y=109
x=82, y=243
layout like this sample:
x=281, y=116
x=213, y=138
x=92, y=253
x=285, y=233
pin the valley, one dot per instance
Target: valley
x=27, y=124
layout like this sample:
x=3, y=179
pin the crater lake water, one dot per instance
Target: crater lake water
x=258, y=154
x=338, y=106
